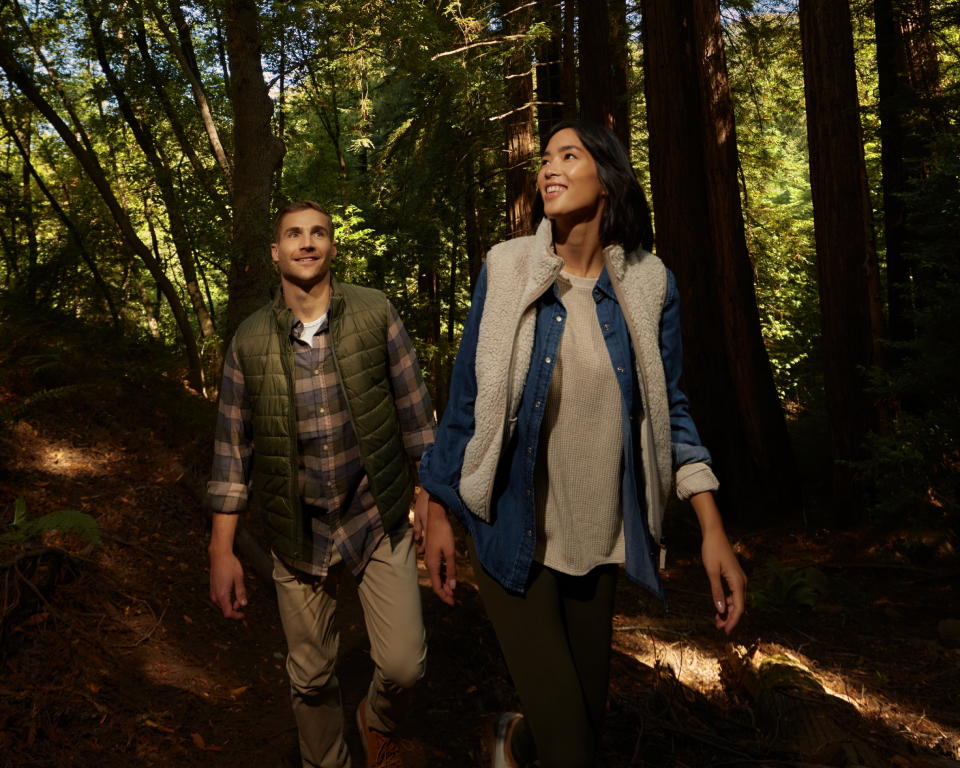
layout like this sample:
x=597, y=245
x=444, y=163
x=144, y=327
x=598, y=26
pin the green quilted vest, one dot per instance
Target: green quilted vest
x=359, y=320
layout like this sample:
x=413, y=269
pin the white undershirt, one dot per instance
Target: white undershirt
x=310, y=329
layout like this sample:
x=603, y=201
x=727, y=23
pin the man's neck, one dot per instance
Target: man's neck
x=308, y=303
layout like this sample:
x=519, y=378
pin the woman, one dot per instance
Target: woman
x=556, y=451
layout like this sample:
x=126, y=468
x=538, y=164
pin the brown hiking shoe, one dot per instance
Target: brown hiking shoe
x=381, y=750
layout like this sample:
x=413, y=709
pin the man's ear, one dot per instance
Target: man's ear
x=273, y=252
x=333, y=254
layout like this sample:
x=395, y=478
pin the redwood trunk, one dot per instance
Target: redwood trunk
x=596, y=84
x=520, y=140
x=910, y=114
x=851, y=319
x=256, y=155
x=700, y=236
x=550, y=96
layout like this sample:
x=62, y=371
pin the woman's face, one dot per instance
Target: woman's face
x=568, y=180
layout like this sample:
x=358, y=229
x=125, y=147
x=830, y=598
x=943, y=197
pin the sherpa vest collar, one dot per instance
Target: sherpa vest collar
x=518, y=272
x=359, y=321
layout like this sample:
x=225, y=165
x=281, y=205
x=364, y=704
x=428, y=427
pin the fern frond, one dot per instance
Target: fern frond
x=17, y=410
x=62, y=521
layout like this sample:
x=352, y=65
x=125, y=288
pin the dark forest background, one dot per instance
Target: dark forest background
x=801, y=159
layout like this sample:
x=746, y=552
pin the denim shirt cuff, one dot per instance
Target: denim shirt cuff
x=683, y=454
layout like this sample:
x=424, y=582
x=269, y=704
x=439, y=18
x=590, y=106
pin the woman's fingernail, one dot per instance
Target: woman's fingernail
x=453, y=583
x=720, y=606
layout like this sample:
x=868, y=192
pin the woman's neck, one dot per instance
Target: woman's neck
x=578, y=244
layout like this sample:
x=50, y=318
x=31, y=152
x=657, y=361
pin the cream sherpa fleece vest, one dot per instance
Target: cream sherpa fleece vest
x=518, y=272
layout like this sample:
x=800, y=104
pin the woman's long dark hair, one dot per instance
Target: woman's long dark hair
x=626, y=216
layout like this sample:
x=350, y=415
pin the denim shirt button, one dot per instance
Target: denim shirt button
x=548, y=360
x=529, y=532
x=619, y=369
x=536, y=404
x=606, y=326
x=529, y=492
x=529, y=449
x=559, y=319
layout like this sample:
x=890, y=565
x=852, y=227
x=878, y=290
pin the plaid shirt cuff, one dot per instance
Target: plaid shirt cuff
x=226, y=498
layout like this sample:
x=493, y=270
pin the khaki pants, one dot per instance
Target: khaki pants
x=390, y=595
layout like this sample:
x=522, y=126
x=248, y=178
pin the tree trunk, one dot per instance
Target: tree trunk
x=550, y=97
x=568, y=72
x=520, y=142
x=256, y=154
x=847, y=269
x=909, y=79
x=699, y=223
x=33, y=251
x=474, y=231
x=596, y=69
x=620, y=60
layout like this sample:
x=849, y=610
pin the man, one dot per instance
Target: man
x=323, y=411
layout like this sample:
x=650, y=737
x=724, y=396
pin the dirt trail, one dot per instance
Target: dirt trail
x=117, y=657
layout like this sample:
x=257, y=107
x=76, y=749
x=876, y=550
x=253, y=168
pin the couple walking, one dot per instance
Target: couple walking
x=563, y=434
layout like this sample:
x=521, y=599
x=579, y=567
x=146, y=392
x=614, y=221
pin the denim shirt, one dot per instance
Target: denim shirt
x=505, y=545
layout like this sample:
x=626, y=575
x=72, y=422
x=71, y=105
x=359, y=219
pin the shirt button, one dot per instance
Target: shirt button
x=536, y=404
x=324, y=447
x=529, y=449
x=559, y=319
x=317, y=372
x=606, y=326
x=529, y=532
x=529, y=492
x=329, y=484
x=321, y=410
x=548, y=359
x=619, y=369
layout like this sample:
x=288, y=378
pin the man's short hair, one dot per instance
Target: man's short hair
x=301, y=205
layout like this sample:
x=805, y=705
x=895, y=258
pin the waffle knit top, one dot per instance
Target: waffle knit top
x=577, y=477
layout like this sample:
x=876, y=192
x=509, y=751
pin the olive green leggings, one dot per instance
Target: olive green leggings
x=556, y=640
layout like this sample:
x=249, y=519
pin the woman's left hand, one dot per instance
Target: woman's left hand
x=720, y=563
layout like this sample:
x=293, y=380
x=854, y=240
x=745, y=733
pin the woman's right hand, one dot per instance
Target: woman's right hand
x=440, y=557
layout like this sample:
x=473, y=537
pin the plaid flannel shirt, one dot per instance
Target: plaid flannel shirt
x=331, y=474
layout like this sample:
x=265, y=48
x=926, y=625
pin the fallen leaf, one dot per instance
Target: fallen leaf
x=471, y=689
x=170, y=558
x=94, y=687
x=42, y=484
x=35, y=619
x=198, y=740
x=238, y=691
x=187, y=619
x=221, y=647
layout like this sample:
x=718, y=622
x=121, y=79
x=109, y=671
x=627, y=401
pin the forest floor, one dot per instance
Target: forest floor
x=115, y=656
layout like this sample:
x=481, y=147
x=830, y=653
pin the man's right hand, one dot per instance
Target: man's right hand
x=440, y=558
x=226, y=573
x=226, y=584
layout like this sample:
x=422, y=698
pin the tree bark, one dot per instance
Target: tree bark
x=256, y=154
x=699, y=223
x=520, y=142
x=620, y=79
x=847, y=269
x=550, y=96
x=474, y=231
x=910, y=114
x=568, y=72
x=25, y=134
x=596, y=68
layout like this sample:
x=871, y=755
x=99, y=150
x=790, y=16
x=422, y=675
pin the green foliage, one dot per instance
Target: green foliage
x=62, y=521
x=776, y=588
x=911, y=469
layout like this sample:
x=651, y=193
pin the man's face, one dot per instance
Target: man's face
x=305, y=248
